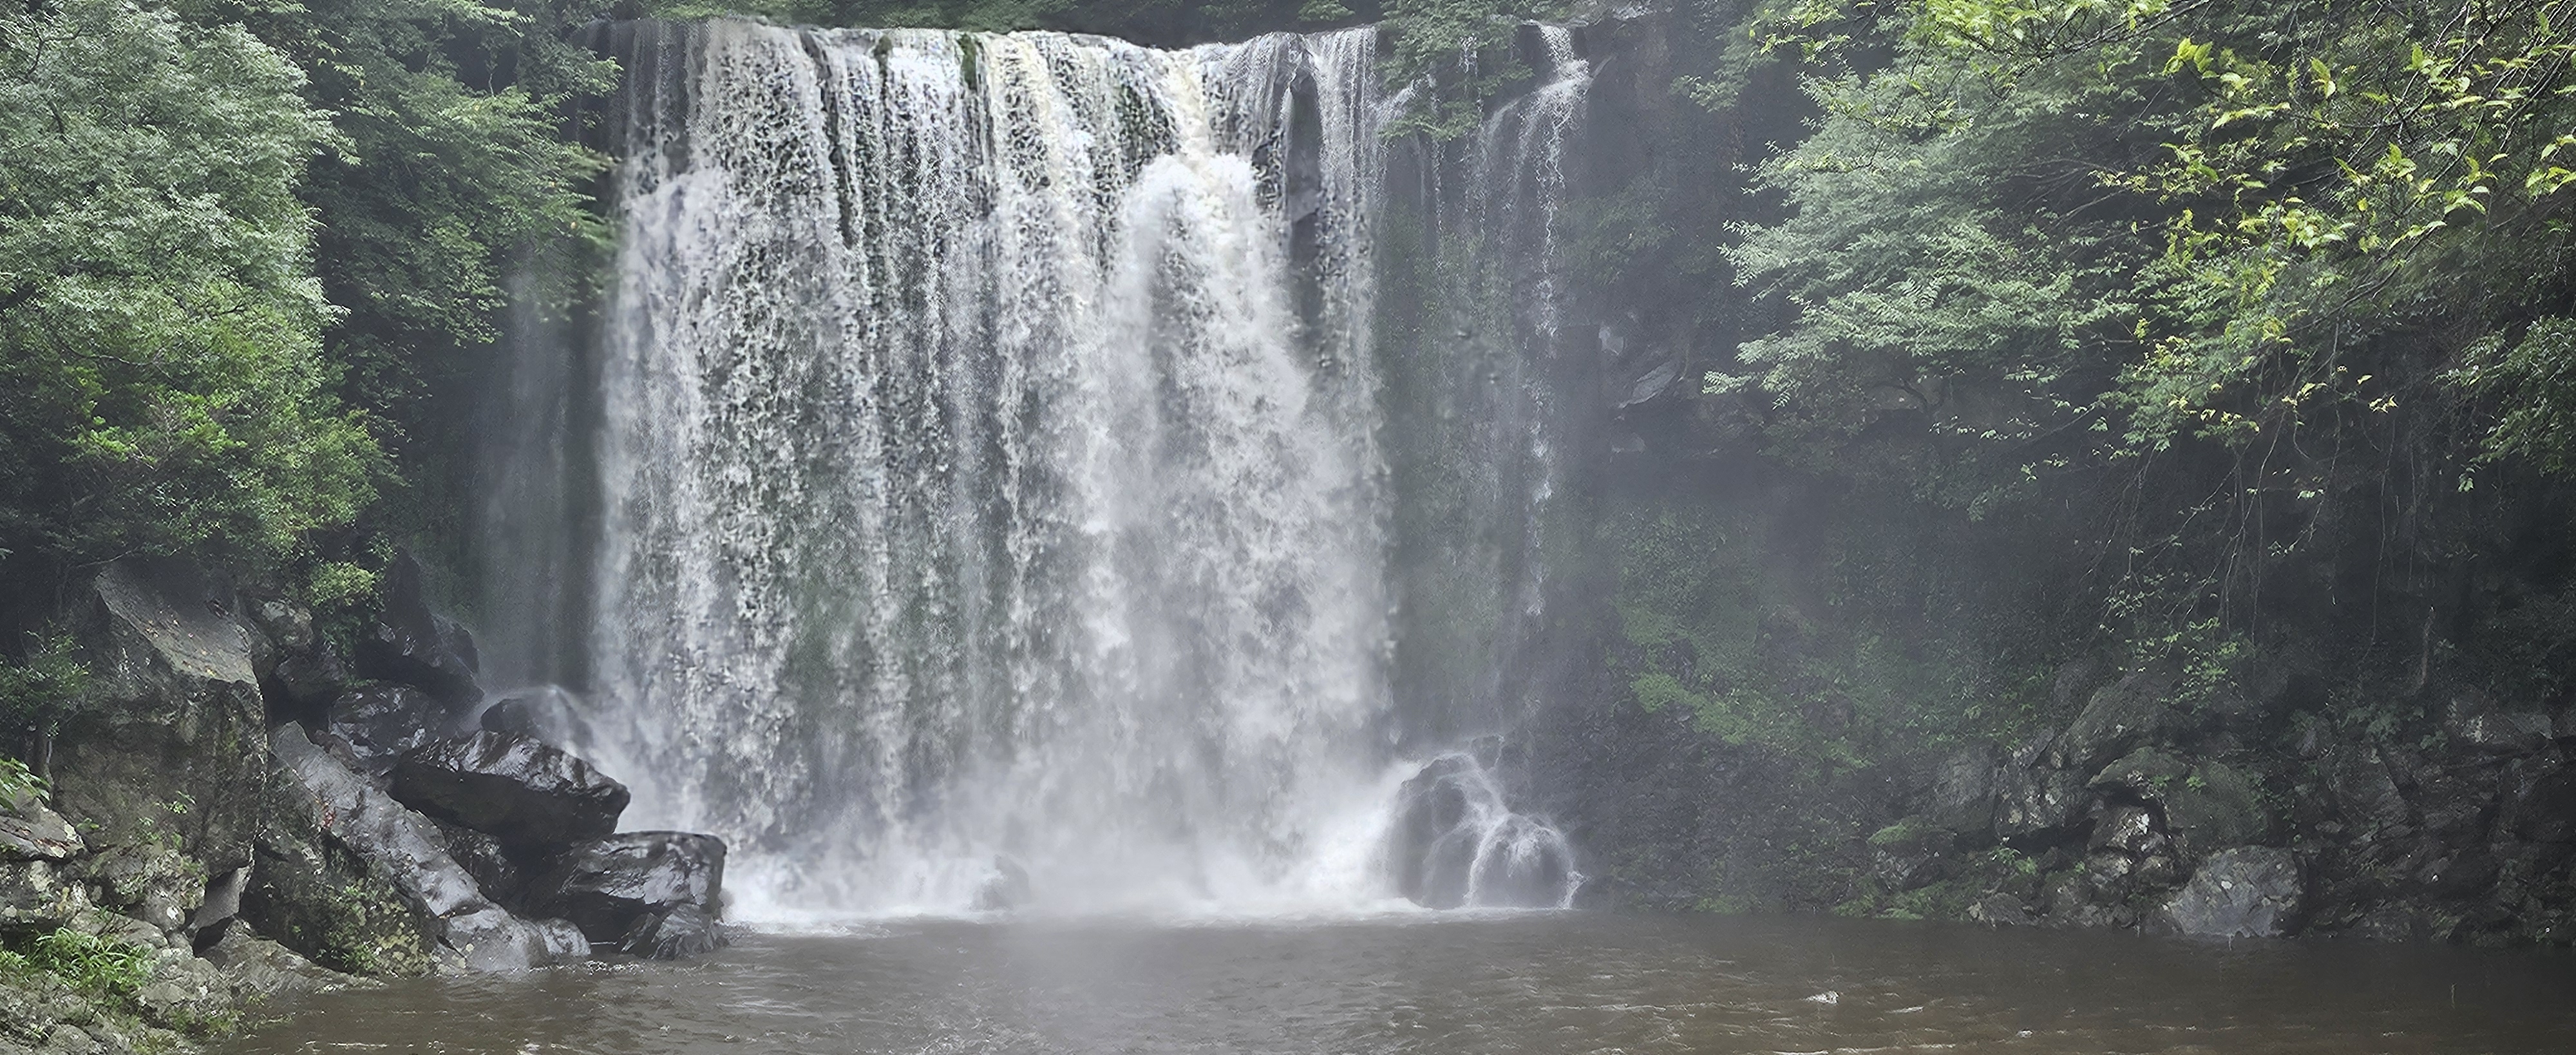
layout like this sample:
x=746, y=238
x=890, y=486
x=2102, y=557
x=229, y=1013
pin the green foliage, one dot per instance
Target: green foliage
x=19, y=788
x=40, y=689
x=100, y=967
x=159, y=322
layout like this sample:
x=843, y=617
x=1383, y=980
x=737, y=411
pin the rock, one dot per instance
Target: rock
x=173, y=727
x=495, y=871
x=404, y=850
x=222, y=901
x=606, y=885
x=547, y=713
x=31, y=831
x=678, y=933
x=2127, y=828
x=1430, y=845
x=2473, y=720
x=2217, y=805
x=381, y=723
x=1963, y=798
x=410, y=644
x=148, y=881
x=311, y=678
x=492, y=940
x=2035, y=802
x=2540, y=807
x=2364, y=792
x=2146, y=775
x=35, y=895
x=512, y=788
x=2119, y=718
x=2002, y=910
x=2245, y=892
x=258, y=968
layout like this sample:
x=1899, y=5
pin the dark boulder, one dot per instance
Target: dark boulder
x=308, y=671
x=410, y=644
x=378, y=724
x=2245, y=892
x=2475, y=722
x=2036, y=803
x=513, y=788
x=676, y=933
x=402, y=850
x=1431, y=847
x=607, y=886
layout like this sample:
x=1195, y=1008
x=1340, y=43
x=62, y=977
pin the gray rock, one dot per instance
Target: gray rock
x=2036, y=801
x=2244, y=892
x=1963, y=798
x=2127, y=828
x=2364, y=792
x=2217, y=806
x=148, y=881
x=406, y=850
x=36, y=895
x=512, y=788
x=2119, y=718
x=173, y=727
x=604, y=886
x=2147, y=775
x=2540, y=806
x=31, y=831
x=381, y=723
x=2475, y=721
x=2003, y=910
x=414, y=646
x=259, y=968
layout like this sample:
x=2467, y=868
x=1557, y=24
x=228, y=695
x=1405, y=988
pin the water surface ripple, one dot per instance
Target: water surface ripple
x=1542, y=982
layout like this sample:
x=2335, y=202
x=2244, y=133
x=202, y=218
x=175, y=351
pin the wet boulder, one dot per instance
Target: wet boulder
x=676, y=933
x=513, y=788
x=410, y=644
x=392, y=846
x=2244, y=892
x=378, y=724
x=608, y=886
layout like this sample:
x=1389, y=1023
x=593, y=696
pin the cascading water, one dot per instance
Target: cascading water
x=992, y=506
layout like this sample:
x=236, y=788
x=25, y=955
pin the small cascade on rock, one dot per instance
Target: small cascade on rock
x=1454, y=843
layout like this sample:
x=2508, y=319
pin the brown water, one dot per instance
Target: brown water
x=1554, y=982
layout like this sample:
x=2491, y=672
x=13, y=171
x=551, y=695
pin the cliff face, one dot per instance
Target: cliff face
x=1816, y=684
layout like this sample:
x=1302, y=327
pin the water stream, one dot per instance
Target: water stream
x=991, y=501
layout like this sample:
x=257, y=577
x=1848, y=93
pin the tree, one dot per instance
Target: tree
x=161, y=383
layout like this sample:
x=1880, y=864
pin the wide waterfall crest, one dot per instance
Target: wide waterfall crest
x=991, y=502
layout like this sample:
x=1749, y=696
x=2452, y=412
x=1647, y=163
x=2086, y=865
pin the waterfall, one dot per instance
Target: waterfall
x=993, y=506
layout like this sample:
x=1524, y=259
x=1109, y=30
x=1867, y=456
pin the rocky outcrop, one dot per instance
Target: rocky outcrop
x=407, y=854
x=2245, y=892
x=374, y=726
x=515, y=789
x=625, y=889
x=153, y=765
